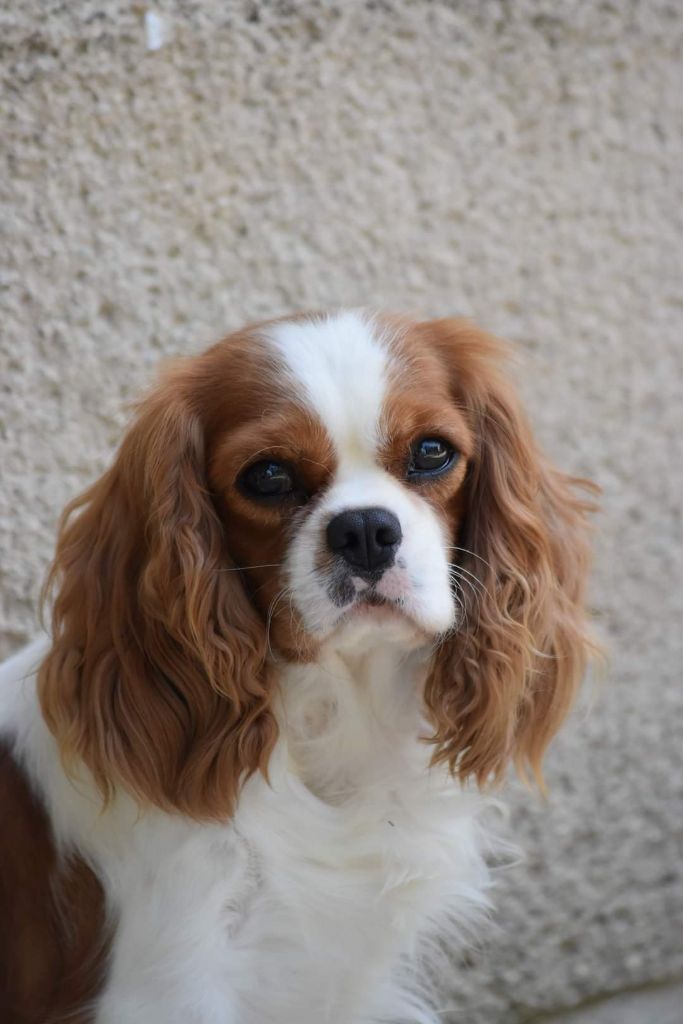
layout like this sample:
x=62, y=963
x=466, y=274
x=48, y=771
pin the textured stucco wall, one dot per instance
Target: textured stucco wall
x=517, y=162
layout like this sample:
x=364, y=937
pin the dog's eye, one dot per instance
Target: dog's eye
x=267, y=479
x=430, y=456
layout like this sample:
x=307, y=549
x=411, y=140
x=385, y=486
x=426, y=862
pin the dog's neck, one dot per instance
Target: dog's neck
x=352, y=721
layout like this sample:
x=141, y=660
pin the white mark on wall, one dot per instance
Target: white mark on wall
x=156, y=33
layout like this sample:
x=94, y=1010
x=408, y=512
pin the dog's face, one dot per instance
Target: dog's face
x=342, y=492
x=332, y=480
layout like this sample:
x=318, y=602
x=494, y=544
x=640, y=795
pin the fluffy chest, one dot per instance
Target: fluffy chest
x=308, y=905
x=341, y=892
x=301, y=908
x=297, y=911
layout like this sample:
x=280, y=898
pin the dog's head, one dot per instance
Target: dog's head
x=322, y=481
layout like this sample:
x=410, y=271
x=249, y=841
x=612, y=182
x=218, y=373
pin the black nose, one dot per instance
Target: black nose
x=366, y=538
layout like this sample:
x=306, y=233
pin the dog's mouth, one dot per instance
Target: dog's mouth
x=373, y=600
x=365, y=606
x=372, y=607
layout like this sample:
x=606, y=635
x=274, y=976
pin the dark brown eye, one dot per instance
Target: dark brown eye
x=430, y=456
x=267, y=480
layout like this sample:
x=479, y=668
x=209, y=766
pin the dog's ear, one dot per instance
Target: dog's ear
x=157, y=675
x=501, y=685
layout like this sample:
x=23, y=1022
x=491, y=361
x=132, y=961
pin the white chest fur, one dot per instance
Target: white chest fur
x=308, y=907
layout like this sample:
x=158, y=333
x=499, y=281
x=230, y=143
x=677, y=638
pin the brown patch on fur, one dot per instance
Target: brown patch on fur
x=261, y=532
x=52, y=921
x=158, y=677
x=420, y=404
x=501, y=685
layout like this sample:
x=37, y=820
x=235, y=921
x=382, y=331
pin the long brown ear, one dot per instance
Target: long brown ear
x=502, y=684
x=156, y=677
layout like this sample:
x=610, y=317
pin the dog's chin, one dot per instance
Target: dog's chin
x=373, y=621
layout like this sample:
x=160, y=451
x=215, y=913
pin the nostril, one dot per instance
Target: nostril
x=387, y=536
x=345, y=533
x=384, y=531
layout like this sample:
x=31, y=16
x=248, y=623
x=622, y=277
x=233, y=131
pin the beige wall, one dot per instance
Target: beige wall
x=517, y=162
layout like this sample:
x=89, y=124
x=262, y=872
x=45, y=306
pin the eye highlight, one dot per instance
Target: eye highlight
x=430, y=456
x=267, y=480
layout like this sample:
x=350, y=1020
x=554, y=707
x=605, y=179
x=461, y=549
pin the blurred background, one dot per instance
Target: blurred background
x=171, y=172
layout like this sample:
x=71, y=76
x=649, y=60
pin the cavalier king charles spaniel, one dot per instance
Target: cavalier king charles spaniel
x=327, y=591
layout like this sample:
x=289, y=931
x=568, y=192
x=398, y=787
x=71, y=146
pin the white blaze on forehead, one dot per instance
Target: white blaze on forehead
x=339, y=367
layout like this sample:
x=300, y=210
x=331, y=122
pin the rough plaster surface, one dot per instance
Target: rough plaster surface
x=653, y=1006
x=517, y=162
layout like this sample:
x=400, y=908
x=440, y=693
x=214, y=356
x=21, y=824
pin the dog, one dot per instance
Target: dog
x=327, y=592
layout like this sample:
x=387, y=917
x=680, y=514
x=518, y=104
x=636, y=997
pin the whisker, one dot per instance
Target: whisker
x=314, y=463
x=466, y=551
x=300, y=632
x=459, y=582
x=470, y=579
x=473, y=576
x=269, y=618
x=262, y=587
x=268, y=448
x=264, y=565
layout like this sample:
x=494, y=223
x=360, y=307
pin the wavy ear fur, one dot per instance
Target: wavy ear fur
x=501, y=685
x=157, y=675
